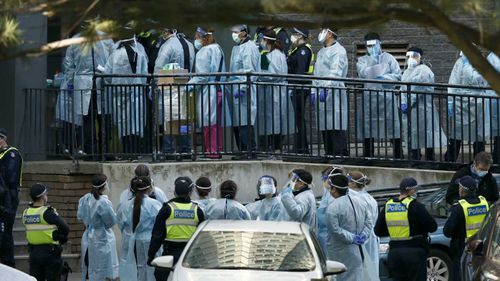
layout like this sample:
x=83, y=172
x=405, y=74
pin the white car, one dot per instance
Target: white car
x=251, y=250
x=12, y=274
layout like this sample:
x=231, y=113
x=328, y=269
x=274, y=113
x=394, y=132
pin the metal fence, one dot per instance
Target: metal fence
x=259, y=116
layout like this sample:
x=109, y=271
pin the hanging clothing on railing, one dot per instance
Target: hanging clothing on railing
x=128, y=97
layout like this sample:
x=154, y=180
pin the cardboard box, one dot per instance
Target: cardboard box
x=173, y=127
x=172, y=80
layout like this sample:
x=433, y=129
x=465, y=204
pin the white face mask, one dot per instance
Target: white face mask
x=322, y=36
x=294, y=38
x=412, y=62
x=236, y=37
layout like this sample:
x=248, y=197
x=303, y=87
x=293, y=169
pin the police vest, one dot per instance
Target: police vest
x=474, y=215
x=38, y=231
x=310, y=70
x=11, y=148
x=182, y=222
x=396, y=216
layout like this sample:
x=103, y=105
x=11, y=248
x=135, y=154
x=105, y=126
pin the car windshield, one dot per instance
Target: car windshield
x=495, y=243
x=250, y=250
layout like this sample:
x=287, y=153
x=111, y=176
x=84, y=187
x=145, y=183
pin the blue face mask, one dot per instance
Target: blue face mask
x=477, y=172
x=197, y=44
x=375, y=50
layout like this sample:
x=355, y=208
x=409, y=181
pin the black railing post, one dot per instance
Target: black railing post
x=154, y=118
x=249, y=128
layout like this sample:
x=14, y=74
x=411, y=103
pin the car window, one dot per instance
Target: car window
x=494, y=252
x=484, y=231
x=250, y=250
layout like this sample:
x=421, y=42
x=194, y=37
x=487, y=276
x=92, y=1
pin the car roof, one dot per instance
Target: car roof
x=255, y=226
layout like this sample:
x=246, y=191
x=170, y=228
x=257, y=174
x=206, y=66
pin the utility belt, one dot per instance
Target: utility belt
x=417, y=241
x=53, y=248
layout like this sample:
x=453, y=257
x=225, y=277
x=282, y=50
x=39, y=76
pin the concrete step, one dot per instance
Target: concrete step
x=22, y=262
x=19, y=233
x=20, y=248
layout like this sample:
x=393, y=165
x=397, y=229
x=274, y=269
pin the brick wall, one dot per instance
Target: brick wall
x=64, y=193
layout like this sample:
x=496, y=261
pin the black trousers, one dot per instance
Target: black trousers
x=430, y=155
x=270, y=143
x=299, y=101
x=335, y=142
x=407, y=264
x=454, y=145
x=176, y=251
x=369, y=148
x=496, y=150
x=46, y=262
x=242, y=135
x=7, y=241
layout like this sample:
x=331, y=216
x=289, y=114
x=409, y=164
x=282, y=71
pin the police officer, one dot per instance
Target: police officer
x=300, y=61
x=408, y=224
x=175, y=224
x=45, y=232
x=10, y=179
x=466, y=217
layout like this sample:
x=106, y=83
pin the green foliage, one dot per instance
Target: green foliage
x=9, y=32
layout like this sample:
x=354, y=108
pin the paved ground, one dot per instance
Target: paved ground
x=75, y=276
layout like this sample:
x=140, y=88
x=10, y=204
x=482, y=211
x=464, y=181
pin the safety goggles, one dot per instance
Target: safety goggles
x=412, y=54
x=361, y=180
x=144, y=188
x=203, y=187
x=333, y=172
x=371, y=43
x=101, y=185
x=202, y=31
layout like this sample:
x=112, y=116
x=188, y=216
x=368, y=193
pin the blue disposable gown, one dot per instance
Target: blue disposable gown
x=471, y=115
x=205, y=203
x=83, y=215
x=208, y=60
x=373, y=242
x=79, y=64
x=172, y=52
x=326, y=200
x=495, y=111
x=332, y=62
x=127, y=195
x=244, y=58
x=275, y=109
x=103, y=260
x=379, y=117
x=135, y=244
x=425, y=127
x=227, y=209
x=268, y=209
x=128, y=101
x=301, y=208
x=64, y=103
x=343, y=224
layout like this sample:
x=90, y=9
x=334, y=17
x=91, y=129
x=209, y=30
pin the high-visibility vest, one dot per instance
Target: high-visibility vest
x=310, y=70
x=474, y=214
x=38, y=231
x=182, y=222
x=396, y=217
x=2, y=154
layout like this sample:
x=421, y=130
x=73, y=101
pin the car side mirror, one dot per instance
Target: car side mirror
x=165, y=262
x=476, y=247
x=333, y=267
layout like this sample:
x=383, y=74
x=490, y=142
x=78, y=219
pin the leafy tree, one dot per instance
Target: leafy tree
x=444, y=15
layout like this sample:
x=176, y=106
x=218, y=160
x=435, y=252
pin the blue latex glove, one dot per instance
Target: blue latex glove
x=238, y=93
x=70, y=89
x=312, y=98
x=359, y=239
x=450, y=110
x=404, y=108
x=323, y=95
x=285, y=191
x=380, y=78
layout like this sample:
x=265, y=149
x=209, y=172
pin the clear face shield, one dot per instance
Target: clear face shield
x=267, y=186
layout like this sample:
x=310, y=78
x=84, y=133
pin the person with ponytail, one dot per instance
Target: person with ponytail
x=357, y=183
x=95, y=210
x=136, y=219
x=156, y=193
x=227, y=208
